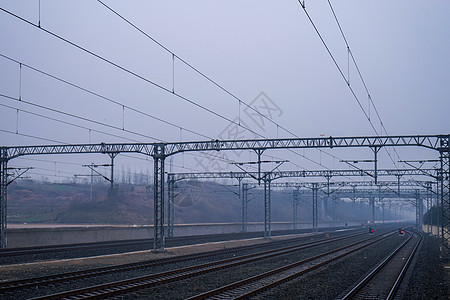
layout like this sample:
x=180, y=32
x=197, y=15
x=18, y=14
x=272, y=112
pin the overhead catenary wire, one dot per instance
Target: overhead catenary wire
x=215, y=83
x=95, y=94
x=91, y=121
x=64, y=143
x=124, y=106
x=91, y=129
x=361, y=78
x=151, y=82
x=105, y=98
x=355, y=96
x=130, y=72
x=240, y=101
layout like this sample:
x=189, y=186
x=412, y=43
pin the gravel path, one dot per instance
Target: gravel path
x=428, y=280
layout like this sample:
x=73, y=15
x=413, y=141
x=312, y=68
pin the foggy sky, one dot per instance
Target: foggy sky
x=248, y=47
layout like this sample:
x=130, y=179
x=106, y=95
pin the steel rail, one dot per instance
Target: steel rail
x=398, y=281
x=363, y=282
x=123, y=286
x=63, y=277
x=275, y=282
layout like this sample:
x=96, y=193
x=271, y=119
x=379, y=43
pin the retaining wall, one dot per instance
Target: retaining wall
x=41, y=235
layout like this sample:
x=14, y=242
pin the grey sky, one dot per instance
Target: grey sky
x=401, y=47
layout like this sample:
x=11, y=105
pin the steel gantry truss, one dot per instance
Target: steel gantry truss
x=160, y=151
x=268, y=177
x=382, y=191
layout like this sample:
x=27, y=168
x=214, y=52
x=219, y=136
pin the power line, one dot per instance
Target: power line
x=154, y=83
x=32, y=136
x=95, y=94
x=98, y=95
x=361, y=77
x=131, y=72
x=174, y=55
x=88, y=120
x=67, y=123
x=78, y=117
x=343, y=76
x=104, y=97
x=240, y=101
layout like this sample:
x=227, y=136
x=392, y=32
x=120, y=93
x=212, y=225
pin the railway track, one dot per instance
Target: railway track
x=6, y=253
x=129, y=285
x=255, y=285
x=177, y=274
x=62, y=277
x=384, y=280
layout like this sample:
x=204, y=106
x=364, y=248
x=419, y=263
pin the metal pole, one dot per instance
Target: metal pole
x=445, y=188
x=375, y=151
x=92, y=181
x=171, y=204
x=430, y=214
x=244, y=206
x=241, y=199
x=112, y=155
x=267, y=207
x=3, y=196
x=314, y=205
x=372, y=209
x=158, y=158
x=295, y=194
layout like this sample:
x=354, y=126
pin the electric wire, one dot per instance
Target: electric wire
x=130, y=72
x=347, y=81
x=33, y=136
x=337, y=65
x=240, y=101
x=104, y=97
x=68, y=123
x=107, y=99
x=147, y=80
x=92, y=121
x=362, y=79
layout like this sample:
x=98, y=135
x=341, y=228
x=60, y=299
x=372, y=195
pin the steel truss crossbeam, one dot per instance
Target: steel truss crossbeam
x=270, y=176
x=427, y=141
x=159, y=151
x=307, y=173
x=418, y=194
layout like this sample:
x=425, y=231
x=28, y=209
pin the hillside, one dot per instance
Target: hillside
x=195, y=202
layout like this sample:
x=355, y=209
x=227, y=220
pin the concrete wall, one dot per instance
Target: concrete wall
x=435, y=230
x=29, y=236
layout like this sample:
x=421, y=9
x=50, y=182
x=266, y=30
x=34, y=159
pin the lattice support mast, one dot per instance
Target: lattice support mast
x=245, y=189
x=267, y=207
x=315, y=190
x=372, y=209
x=158, y=197
x=171, y=204
x=295, y=201
x=445, y=189
x=3, y=196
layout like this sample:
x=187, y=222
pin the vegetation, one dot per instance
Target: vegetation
x=195, y=202
x=433, y=216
